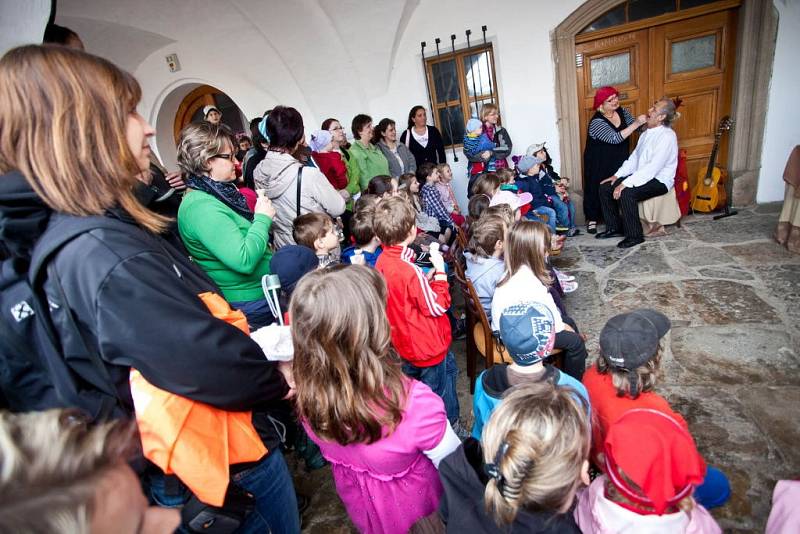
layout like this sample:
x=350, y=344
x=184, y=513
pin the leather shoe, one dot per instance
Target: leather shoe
x=608, y=233
x=628, y=243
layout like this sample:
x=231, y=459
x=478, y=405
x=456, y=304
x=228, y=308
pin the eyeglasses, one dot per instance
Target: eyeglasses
x=229, y=157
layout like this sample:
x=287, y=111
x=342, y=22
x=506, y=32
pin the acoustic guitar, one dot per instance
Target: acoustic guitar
x=708, y=192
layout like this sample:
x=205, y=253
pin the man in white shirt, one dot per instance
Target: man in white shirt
x=648, y=172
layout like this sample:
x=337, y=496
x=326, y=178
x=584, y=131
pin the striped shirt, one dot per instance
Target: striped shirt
x=604, y=131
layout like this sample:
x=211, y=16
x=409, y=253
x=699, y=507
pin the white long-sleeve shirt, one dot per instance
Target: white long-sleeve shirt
x=523, y=287
x=655, y=156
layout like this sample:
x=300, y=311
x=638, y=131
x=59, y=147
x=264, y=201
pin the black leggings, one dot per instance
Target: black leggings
x=574, y=353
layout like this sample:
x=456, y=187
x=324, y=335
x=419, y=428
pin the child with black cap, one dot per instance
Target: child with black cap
x=623, y=379
x=528, y=332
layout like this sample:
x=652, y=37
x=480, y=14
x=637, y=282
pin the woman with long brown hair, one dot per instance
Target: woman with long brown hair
x=383, y=433
x=72, y=145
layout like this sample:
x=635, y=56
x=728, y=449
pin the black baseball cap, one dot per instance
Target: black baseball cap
x=630, y=340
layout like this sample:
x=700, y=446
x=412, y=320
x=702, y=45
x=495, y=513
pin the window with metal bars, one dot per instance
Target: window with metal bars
x=460, y=83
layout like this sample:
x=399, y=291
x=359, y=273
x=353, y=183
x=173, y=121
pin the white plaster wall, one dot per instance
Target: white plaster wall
x=782, y=131
x=22, y=22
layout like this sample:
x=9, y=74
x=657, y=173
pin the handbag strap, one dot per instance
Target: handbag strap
x=299, y=187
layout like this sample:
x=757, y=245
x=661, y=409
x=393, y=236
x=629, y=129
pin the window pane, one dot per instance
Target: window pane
x=694, y=54
x=686, y=4
x=643, y=9
x=611, y=18
x=478, y=74
x=452, y=131
x=445, y=79
x=611, y=70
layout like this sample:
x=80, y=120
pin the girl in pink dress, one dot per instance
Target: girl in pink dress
x=383, y=433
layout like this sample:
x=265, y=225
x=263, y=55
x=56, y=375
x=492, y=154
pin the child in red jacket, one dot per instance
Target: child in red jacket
x=416, y=307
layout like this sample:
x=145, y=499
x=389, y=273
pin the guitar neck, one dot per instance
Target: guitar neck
x=713, y=159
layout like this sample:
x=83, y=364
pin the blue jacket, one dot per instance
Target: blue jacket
x=546, y=180
x=369, y=257
x=531, y=184
x=493, y=383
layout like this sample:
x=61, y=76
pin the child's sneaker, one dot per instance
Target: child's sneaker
x=562, y=276
x=568, y=286
x=572, y=232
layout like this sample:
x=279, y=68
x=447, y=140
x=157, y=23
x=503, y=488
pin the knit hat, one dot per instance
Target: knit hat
x=320, y=139
x=527, y=162
x=629, y=340
x=657, y=454
x=528, y=332
x=473, y=124
x=291, y=263
x=208, y=109
x=602, y=95
x=533, y=149
x=513, y=200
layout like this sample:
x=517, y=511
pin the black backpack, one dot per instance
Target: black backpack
x=33, y=374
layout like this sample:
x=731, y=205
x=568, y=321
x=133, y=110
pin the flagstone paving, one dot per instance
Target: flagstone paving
x=731, y=362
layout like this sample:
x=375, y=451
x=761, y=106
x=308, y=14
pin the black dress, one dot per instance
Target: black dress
x=433, y=152
x=605, y=153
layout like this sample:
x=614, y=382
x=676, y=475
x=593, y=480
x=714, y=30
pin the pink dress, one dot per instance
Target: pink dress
x=390, y=484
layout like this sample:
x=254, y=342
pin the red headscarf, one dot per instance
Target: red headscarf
x=657, y=454
x=602, y=95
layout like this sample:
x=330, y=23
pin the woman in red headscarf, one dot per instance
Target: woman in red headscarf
x=607, y=147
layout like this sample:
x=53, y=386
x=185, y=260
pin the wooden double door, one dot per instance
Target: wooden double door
x=691, y=58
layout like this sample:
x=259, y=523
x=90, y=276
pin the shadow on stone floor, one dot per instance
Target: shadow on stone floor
x=731, y=364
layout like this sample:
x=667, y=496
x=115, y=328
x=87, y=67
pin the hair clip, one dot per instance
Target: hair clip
x=493, y=469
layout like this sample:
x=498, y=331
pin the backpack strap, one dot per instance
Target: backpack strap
x=299, y=187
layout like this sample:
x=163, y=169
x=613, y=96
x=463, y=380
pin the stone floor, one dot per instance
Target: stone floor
x=732, y=359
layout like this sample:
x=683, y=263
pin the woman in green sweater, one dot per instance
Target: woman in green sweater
x=228, y=241
x=369, y=158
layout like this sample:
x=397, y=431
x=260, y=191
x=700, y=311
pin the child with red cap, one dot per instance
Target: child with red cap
x=652, y=468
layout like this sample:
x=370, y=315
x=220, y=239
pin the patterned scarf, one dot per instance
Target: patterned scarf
x=225, y=192
x=489, y=130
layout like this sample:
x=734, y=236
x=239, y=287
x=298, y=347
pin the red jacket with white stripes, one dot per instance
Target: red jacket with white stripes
x=416, y=308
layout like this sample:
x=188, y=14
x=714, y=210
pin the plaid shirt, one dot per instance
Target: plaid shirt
x=433, y=206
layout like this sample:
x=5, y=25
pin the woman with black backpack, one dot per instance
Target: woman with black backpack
x=120, y=296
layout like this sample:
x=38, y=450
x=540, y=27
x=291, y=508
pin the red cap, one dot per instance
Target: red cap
x=657, y=454
x=602, y=95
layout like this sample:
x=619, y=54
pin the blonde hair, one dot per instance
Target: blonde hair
x=441, y=167
x=393, y=220
x=350, y=387
x=63, y=125
x=535, y=444
x=199, y=142
x=486, y=109
x=501, y=210
x=647, y=375
x=526, y=244
x=686, y=504
x=50, y=465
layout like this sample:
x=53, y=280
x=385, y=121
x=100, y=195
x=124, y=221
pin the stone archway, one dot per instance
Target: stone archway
x=755, y=51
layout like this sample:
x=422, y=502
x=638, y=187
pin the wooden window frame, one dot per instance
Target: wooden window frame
x=465, y=101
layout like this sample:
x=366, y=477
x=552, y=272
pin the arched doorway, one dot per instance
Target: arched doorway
x=756, y=29
x=191, y=109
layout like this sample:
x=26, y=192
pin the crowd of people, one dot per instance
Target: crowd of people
x=151, y=306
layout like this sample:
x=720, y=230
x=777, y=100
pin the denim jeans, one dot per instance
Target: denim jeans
x=271, y=484
x=565, y=213
x=257, y=312
x=544, y=210
x=441, y=379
